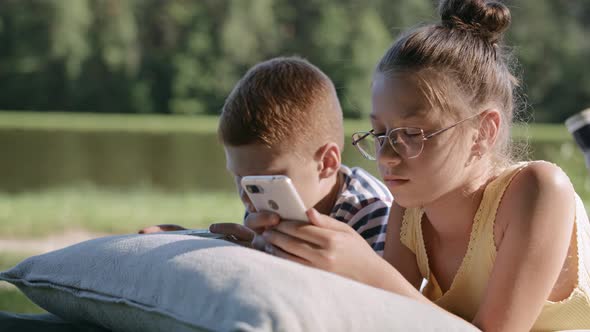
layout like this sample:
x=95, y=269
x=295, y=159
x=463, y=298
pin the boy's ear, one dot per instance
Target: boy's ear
x=329, y=159
x=488, y=131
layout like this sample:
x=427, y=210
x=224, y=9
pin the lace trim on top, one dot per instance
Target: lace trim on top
x=404, y=231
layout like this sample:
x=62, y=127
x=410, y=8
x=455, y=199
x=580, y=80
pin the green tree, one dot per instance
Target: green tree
x=367, y=45
x=181, y=56
x=553, y=51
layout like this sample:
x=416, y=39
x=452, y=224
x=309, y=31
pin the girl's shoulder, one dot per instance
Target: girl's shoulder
x=537, y=177
x=536, y=188
x=526, y=180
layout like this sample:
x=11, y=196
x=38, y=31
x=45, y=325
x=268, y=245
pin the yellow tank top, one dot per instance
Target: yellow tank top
x=468, y=287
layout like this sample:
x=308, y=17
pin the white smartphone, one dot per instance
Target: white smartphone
x=275, y=193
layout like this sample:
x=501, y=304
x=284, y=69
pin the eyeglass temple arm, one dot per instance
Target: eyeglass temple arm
x=355, y=142
x=440, y=131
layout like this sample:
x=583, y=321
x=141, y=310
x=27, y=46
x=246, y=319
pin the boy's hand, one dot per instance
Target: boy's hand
x=324, y=243
x=259, y=222
x=235, y=233
x=161, y=228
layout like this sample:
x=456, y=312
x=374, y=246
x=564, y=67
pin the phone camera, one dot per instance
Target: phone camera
x=273, y=205
x=253, y=189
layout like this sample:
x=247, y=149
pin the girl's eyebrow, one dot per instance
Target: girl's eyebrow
x=417, y=113
x=414, y=112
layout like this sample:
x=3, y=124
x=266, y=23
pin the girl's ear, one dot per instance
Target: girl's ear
x=329, y=160
x=488, y=132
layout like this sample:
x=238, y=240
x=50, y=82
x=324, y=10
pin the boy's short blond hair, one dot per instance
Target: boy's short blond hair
x=284, y=102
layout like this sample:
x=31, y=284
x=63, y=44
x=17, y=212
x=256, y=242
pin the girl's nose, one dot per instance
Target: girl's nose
x=387, y=156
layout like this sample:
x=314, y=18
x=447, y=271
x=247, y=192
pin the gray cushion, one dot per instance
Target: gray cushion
x=167, y=282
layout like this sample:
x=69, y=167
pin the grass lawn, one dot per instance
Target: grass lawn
x=39, y=214
x=542, y=132
x=12, y=300
x=8, y=260
x=118, y=212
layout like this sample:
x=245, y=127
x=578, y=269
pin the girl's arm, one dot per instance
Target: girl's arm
x=396, y=253
x=538, y=213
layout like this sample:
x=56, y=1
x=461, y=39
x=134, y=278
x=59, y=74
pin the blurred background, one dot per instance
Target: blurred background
x=108, y=108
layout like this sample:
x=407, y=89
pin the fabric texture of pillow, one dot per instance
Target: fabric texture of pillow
x=165, y=282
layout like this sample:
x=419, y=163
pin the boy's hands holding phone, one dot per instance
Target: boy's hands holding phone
x=323, y=242
x=249, y=234
x=307, y=237
x=259, y=222
x=319, y=241
x=161, y=228
x=238, y=234
x=233, y=232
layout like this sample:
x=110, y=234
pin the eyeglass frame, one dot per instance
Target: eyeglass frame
x=387, y=136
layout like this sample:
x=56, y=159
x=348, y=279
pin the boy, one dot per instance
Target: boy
x=284, y=117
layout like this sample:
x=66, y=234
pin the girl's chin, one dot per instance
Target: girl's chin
x=405, y=201
x=393, y=184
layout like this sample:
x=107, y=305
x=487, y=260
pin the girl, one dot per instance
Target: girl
x=504, y=245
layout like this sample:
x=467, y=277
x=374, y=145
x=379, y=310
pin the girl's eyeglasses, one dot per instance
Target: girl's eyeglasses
x=407, y=142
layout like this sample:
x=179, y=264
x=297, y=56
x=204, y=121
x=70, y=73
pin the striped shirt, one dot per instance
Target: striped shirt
x=363, y=203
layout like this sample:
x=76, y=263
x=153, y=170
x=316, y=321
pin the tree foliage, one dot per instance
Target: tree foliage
x=181, y=56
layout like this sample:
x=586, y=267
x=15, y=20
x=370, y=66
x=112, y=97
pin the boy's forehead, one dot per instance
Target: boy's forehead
x=256, y=159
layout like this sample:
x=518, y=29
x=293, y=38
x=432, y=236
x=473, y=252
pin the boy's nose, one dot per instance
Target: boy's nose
x=249, y=207
x=247, y=203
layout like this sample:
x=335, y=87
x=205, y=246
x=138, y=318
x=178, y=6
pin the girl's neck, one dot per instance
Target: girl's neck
x=451, y=216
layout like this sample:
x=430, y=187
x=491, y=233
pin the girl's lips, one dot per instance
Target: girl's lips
x=395, y=182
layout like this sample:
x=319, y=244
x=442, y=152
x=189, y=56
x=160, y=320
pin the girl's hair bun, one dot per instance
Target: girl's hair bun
x=489, y=20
